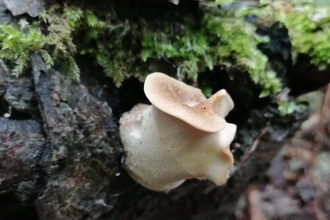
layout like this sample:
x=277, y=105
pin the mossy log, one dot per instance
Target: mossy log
x=63, y=158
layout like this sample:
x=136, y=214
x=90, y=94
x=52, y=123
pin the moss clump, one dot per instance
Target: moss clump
x=124, y=47
x=219, y=38
x=309, y=30
x=60, y=40
x=111, y=42
x=222, y=38
x=17, y=45
x=308, y=27
x=18, y=42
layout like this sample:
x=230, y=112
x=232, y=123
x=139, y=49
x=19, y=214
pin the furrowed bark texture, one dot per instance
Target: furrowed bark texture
x=84, y=147
x=69, y=154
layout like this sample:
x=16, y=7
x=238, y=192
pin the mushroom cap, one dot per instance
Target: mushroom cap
x=188, y=103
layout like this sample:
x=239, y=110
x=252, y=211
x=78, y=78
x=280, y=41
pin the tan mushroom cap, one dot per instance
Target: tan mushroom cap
x=188, y=103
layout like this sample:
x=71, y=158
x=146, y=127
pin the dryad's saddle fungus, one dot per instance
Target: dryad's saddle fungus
x=182, y=135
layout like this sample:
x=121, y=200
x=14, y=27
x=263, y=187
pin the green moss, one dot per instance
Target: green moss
x=111, y=42
x=222, y=38
x=124, y=48
x=60, y=40
x=17, y=45
x=308, y=27
x=18, y=42
x=309, y=32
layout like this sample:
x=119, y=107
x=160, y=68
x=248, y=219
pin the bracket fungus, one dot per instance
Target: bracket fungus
x=181, y=135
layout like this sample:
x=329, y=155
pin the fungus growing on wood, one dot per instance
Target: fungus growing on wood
x=182, y=135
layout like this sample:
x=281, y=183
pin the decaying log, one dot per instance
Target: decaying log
x=65, y=157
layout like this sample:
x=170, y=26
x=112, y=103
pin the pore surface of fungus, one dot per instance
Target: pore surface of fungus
x=181, y=135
